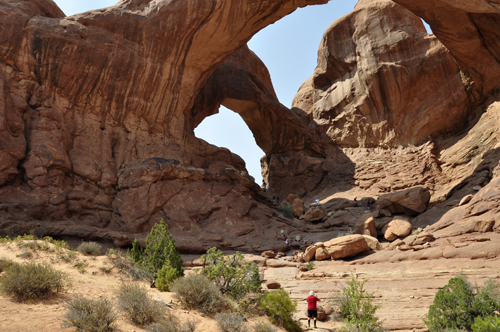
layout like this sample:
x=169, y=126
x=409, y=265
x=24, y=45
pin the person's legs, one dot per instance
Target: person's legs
x=315, y=314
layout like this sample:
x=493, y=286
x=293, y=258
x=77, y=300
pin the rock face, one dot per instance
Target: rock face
x=379, y=73
x=366, y=227
x=85, y=143
x=410, y=201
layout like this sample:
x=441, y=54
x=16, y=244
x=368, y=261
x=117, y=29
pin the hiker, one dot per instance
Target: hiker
x=278, y=199
x=287, y=242
x=282, y=233
x=312, y=308
x=317, y=201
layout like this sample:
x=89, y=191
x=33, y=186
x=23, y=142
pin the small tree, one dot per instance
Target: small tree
x=280, y=308
x=160, y=250
x=357, y=307
x=486, y=324
x=456, y=306
x=233, y=275
x=166, y=276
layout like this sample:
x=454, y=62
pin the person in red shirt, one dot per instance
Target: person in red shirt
x=312, y=309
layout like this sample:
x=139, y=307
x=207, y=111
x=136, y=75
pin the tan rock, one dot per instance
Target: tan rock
x=315, y=213
x=372, y=242
x=321, y=254
x=310, y=251
x=328, y=309
x=366, y=226
x=268, y=254
x=298, y=207
x=272, y=284
x=291, y=197
x=422, y=238
x=396, y=228
x=346, y=246
x=465, y=199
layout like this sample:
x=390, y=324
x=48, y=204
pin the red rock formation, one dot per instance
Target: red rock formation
x=96, y=118
x=381, y=80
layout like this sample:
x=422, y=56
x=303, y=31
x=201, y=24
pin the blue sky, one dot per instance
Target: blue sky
x=289, y=50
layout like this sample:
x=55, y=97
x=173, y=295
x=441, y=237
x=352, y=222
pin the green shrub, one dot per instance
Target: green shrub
x=171, y=324
x=32, y=281
x=288, y=211
x=279, y=307
x=262, y=326
x=137, y=306
x=349, y=231
x=233, y=275
x=456, y=306
x=196, y=292
x=356, y=306
x=165, y=277
x=6, y=263
x=486, y=324
x=89, y=248
x=160, y=249
x=90, y=315
x=231, y=322
x=310, y=265
x=25, y=255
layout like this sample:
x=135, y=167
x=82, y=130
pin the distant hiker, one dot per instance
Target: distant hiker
x=317, y=201
x=312, y=308
x=287, y=242
x=282, y=233
x=278, y=199
x=355, y=199
x=274, y=198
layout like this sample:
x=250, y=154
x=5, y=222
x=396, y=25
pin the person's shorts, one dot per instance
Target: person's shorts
x=312, y=313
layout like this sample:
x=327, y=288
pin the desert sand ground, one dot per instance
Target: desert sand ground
x=404, y=289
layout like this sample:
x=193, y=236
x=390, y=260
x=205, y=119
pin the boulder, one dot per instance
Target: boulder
x=315, y=213
x=328, y=309
x=298, y=207
x=268, y=254
x=411, y=201
x=346, y=246
x=321, y=313
x=465, y=199
x=396, y=228
x=272, y=284
x=290, y=198
x=310, y=251
x=372, y=242
x=321, y=254
x=366, y=226
x=422, y=238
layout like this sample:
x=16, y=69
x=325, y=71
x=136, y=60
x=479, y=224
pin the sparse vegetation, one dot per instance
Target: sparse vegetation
x=32, y=281
x=5, y=264
x=357, y=308
x=288, y=211
x=137, y=306
x=25, y=255
x=280, y=308
x=348, y=232
x=171, y=324
x=457, y=304
x=233, y=275
x=231, y=322
x=310, y=265
x=196, y=292
x=160, y=250
x=90, y=248
x=89, y=315
x=262, y=326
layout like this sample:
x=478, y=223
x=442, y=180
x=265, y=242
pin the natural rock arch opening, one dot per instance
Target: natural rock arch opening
x=227, y=129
